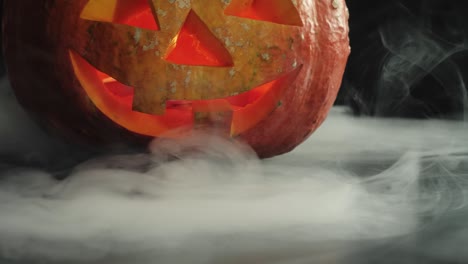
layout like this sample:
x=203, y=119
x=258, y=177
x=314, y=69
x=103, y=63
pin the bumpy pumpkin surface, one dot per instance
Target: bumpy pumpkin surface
x=111, y=71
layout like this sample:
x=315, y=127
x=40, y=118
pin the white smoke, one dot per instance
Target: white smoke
x=210, y=200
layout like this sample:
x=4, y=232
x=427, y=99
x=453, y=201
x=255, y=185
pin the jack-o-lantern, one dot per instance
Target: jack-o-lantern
x=264, y=71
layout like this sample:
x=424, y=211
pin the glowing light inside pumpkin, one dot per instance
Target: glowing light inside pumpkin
x=194, y=45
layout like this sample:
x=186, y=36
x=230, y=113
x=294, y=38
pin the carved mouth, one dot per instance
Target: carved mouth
x=237, y=113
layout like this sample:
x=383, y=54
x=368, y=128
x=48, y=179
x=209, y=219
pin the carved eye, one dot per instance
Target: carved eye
x=136, y=13
x=276, y=11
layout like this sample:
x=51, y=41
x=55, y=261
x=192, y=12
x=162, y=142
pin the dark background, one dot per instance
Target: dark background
x=408, y=58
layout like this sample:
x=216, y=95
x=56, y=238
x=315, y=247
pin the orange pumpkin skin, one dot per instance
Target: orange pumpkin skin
x=42, y=36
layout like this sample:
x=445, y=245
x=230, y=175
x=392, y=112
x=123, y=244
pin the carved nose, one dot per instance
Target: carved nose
x=195, y=44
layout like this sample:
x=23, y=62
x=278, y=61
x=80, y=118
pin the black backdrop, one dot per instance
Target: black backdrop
x=408, y=58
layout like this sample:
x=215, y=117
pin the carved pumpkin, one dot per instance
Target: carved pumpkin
x=106, y=71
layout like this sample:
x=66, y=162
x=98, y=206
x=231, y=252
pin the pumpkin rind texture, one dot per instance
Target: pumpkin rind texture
x=125, y=71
